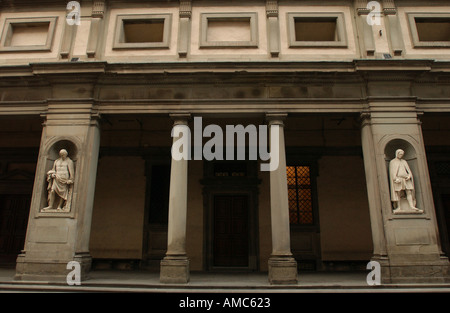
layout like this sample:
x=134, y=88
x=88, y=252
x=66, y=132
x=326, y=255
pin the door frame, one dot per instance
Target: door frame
x=253, y=259
x=229, y=186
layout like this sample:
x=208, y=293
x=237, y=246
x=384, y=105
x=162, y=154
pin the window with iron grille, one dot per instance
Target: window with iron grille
x=300, y=195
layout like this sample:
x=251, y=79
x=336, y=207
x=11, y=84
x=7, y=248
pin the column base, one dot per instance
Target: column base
x=418, y=274
x=174, y=270
x=50, y=270
x=437, y=271
x=282, y=271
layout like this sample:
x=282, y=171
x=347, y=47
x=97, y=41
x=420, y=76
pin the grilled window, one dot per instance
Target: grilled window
x=300, y=195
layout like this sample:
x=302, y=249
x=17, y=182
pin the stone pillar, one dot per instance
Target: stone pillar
x=405, y=243
x=373, y=194
x=175, y=265
x=282, y=265
x=56, y=236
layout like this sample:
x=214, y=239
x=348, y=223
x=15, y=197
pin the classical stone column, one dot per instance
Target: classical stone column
x=175, y=265
x=282, y=265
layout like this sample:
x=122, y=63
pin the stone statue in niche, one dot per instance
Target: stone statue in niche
x=402, y=185
x=60, y=182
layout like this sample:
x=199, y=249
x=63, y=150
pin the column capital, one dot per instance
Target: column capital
x=180, y=118
x=98, y=8
x=361, y=7
x=365, y=115
x=272, y=8
x=276, y=118
x=185, y=8
x=389, y=7
x=420, y=114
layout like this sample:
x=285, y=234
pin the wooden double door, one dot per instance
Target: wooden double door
x=231, y=231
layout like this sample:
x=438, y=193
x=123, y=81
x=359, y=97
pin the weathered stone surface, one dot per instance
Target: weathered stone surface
x=174, y=271
x=282, y=271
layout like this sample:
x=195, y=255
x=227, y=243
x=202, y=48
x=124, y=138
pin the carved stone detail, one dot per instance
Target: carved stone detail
x=389, y=7
x=98, y=9
x=361, y=7
x=272, y=8
x=185, y=8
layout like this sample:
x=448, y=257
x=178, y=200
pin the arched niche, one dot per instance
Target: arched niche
x=69, y=146
x=410, y=156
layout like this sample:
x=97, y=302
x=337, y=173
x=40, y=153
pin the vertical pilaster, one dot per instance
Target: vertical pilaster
x=184, y=27
x=67, y=40
x=373, y=193
x=406, y=243
x=175, y=265
x=282, y=265
x=56, y=236
x=393, y=27
x=98, y=10
x=273, y=27
x=365, y=30
x=379, y=27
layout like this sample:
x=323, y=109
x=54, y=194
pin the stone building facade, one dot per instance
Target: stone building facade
x=347, y=84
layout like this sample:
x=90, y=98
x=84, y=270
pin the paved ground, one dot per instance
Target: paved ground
x=141, y=281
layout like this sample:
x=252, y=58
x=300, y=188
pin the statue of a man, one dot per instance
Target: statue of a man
x=402, y=184
x=59, y=179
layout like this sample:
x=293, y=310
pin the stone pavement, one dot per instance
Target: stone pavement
x=201, y=282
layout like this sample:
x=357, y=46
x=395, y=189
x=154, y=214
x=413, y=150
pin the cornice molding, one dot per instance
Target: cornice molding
x=68, y=68
x=382, y=68
x=18, y=3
